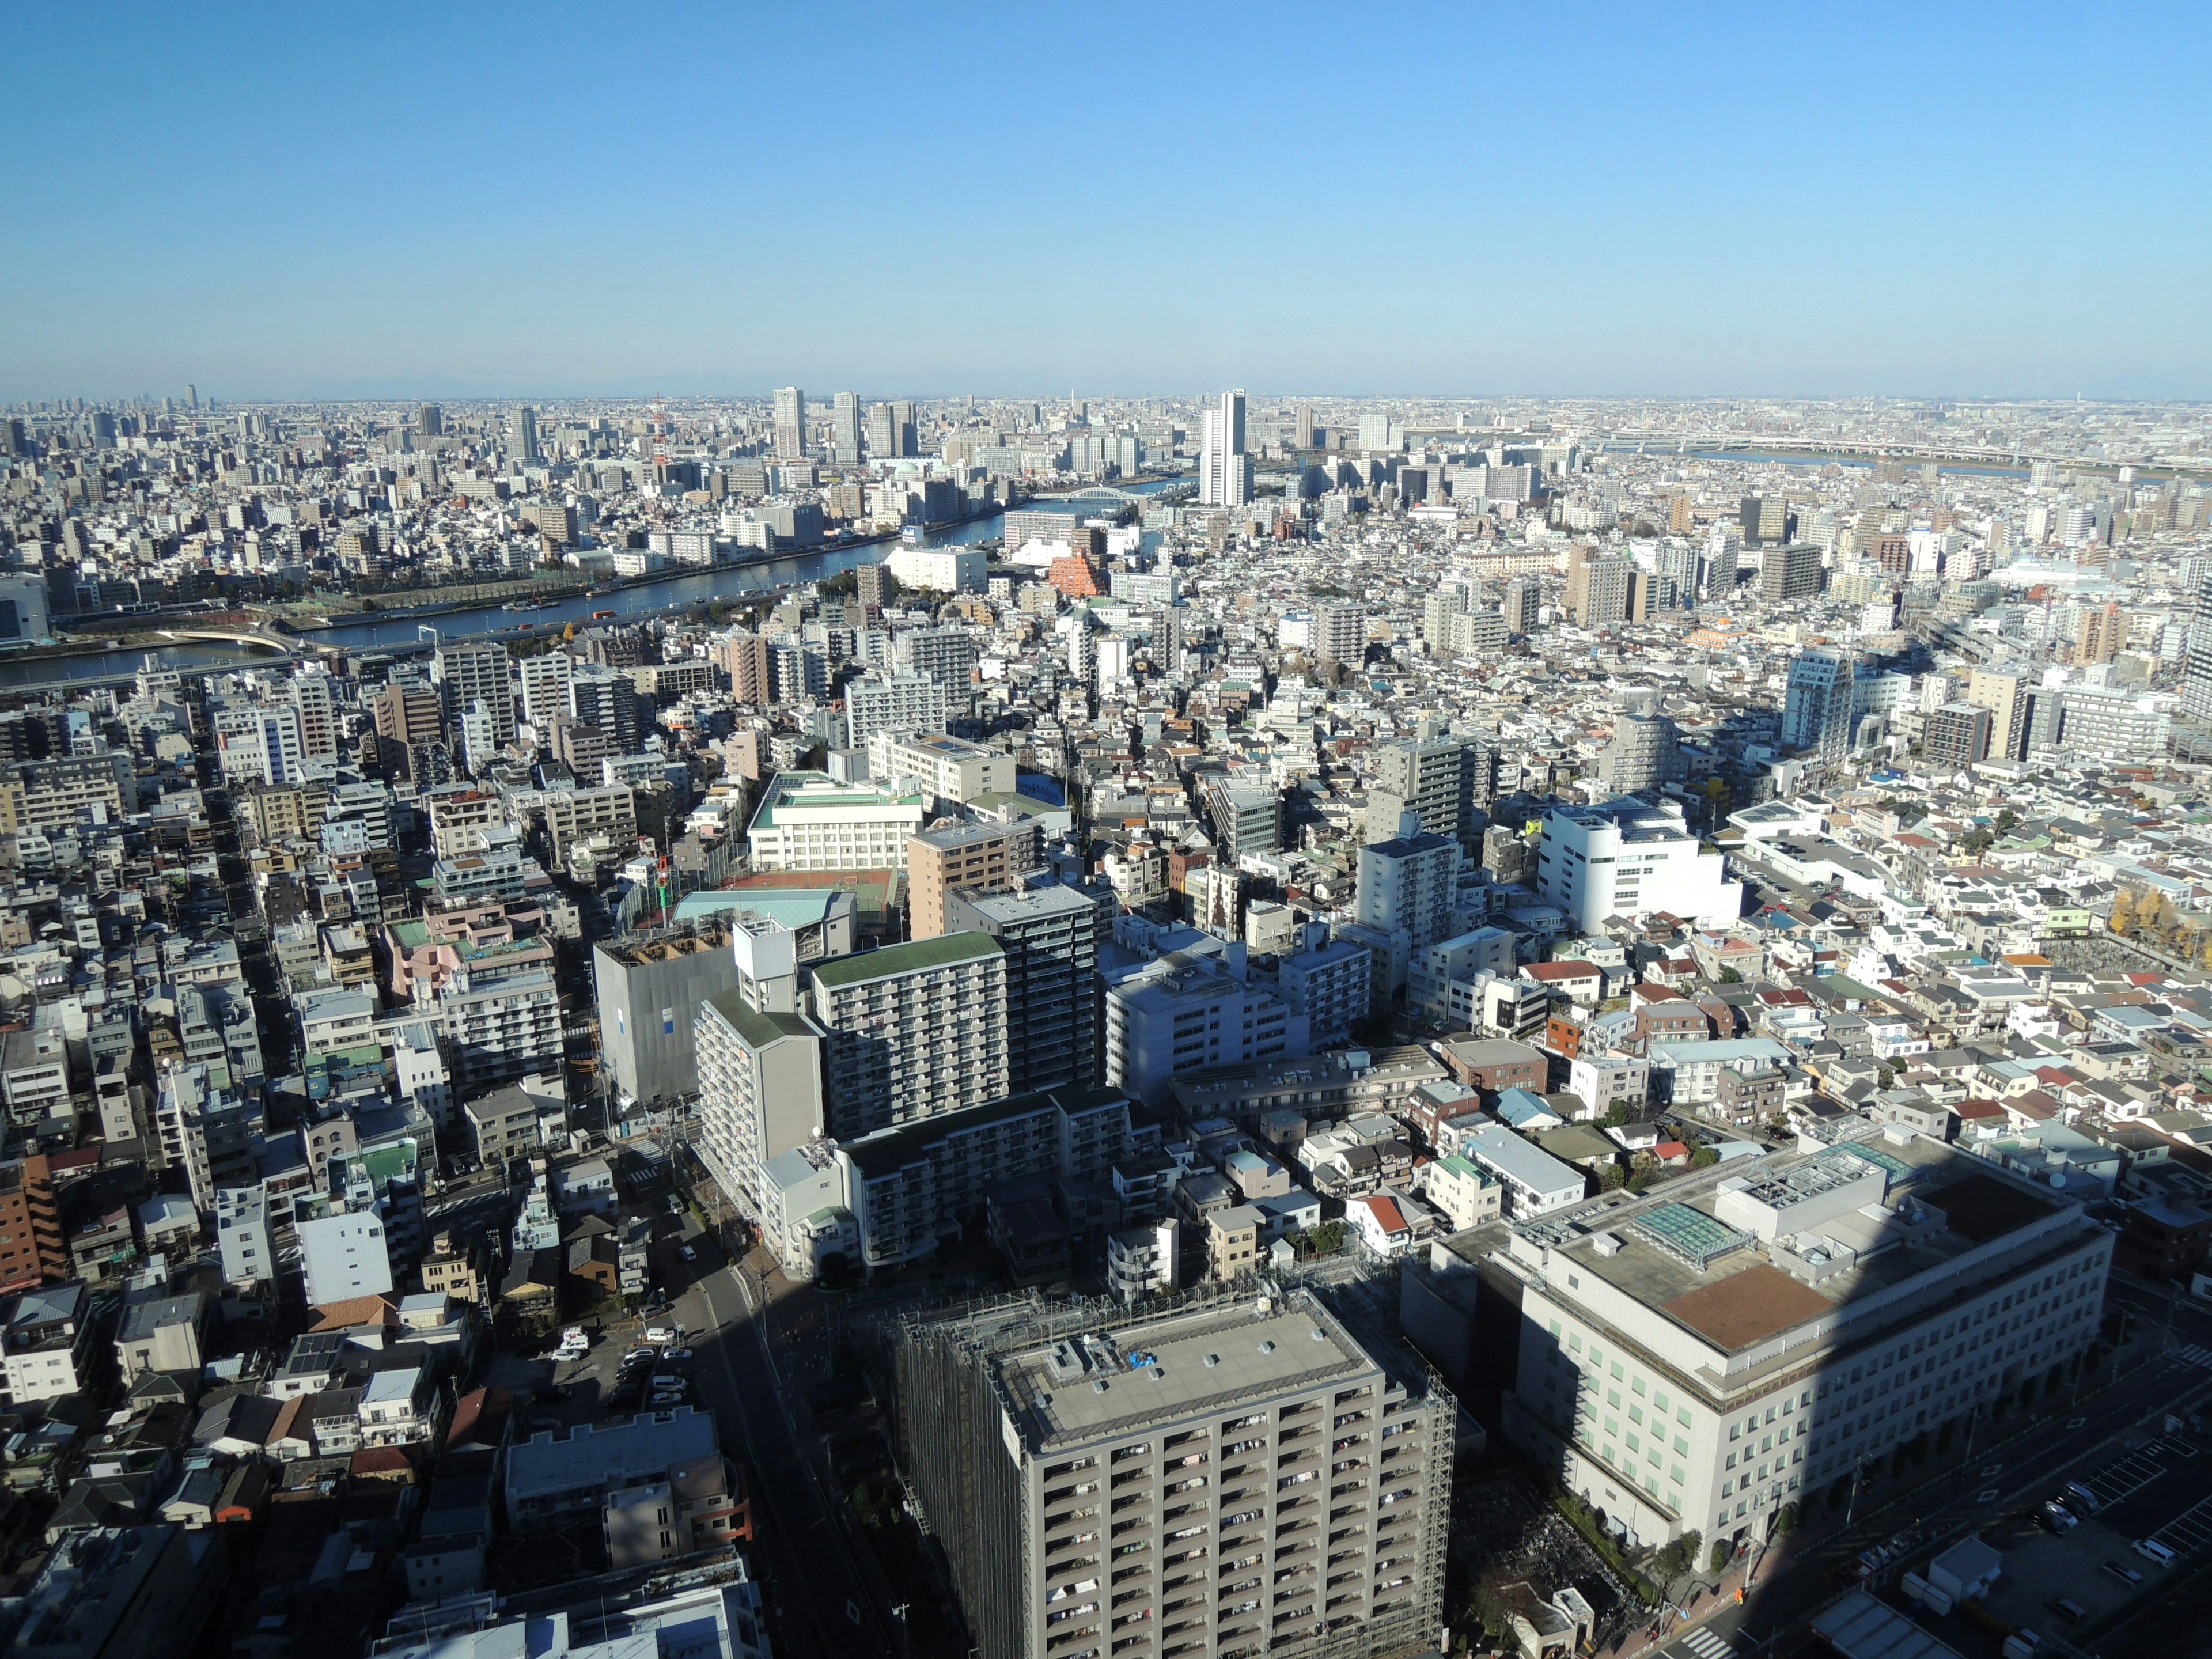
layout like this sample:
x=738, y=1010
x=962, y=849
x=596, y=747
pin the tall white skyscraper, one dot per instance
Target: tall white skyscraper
x=1224, y=470
x=790, y=422
x=1816, y=713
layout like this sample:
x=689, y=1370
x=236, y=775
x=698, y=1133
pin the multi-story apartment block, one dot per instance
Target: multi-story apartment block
x=982, y=858
x=899, y=705
x=1237, y=1476
x=760, y=1094
x=1408, y=879
x=1051, y=936
x=945, y=766
x=1700, y=1360
x=1444, y=780
x=1182, y=1014
x=908, y=1187
x=912, y=1030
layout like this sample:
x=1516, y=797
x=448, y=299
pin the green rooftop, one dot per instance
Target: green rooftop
x=912, y=957
x=755, y=1029
x=812, y=789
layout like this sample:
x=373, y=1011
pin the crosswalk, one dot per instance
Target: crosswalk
x=1706, y=1645
x=2195, y=1355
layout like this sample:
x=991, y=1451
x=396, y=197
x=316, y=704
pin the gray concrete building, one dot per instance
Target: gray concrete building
x=1237, y=1475
x=648, y=987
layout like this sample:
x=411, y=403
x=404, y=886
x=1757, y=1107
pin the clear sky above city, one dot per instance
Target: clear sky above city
x=535, y=200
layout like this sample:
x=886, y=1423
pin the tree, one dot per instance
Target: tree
x=1329, y=1238
x=1720, y=1558
x=1703, y=1159
x=2124, y=912
x=1785, y=1520
x=1611, y=1177
x=1729, y=977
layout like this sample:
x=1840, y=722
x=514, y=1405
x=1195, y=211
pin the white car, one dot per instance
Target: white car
x=659, y=1333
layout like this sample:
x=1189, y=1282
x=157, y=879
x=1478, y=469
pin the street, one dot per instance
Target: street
x=827, y=1595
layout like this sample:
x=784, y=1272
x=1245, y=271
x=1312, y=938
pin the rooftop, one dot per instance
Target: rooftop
x=1739, y=1261
x=917, y=955
x=1178, y=1366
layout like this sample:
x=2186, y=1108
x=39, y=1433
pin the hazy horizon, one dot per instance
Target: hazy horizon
x=1977, y=203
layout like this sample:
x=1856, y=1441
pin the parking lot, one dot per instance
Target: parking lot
x=563, y=1393
x=2156, y=1490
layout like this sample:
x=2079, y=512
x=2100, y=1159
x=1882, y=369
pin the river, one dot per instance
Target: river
x=627, y=604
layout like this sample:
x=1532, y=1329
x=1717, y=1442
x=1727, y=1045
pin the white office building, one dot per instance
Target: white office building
x=807, y=821
x=1630, y=857
x=1703, y=1359
x=940, y=569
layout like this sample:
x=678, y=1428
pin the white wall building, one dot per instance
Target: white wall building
x=940, y=569
x=1182, y=1014
x=343, y=1257
x=1700, y=1360
x=806, y=821
x=1628, y=858
x=945, y=766
x=902, y=704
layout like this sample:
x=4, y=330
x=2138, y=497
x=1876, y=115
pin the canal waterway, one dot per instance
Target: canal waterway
x=637, y=603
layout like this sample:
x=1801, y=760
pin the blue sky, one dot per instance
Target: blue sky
x=1930, y=200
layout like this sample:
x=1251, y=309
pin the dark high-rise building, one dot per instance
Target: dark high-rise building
x=1054, y=998
x=1057, y=1450
x=1958, y=735
x=431, y=421
x=1790, y=573
x=1447, y=780
x=1816, y=714
x=1523, y=595
x=1764, y=519
x=471, y=672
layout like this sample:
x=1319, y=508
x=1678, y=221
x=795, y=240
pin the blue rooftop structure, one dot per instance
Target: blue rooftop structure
x=1524, y=1110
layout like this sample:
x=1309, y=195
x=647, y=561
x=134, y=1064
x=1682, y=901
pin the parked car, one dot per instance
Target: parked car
x=671, y=1380
x=659, y=1333
x=2121, y=1570
x=677, y=1356
x=668, y=1397
x=688, y=1253
x=2056, y=1517
x=2072, y=1612
x=2154, y=1552
x=640, y=1356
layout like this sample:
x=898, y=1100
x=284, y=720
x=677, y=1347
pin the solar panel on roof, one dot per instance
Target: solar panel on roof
x=1689, y=1235
x=1897, y=1169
